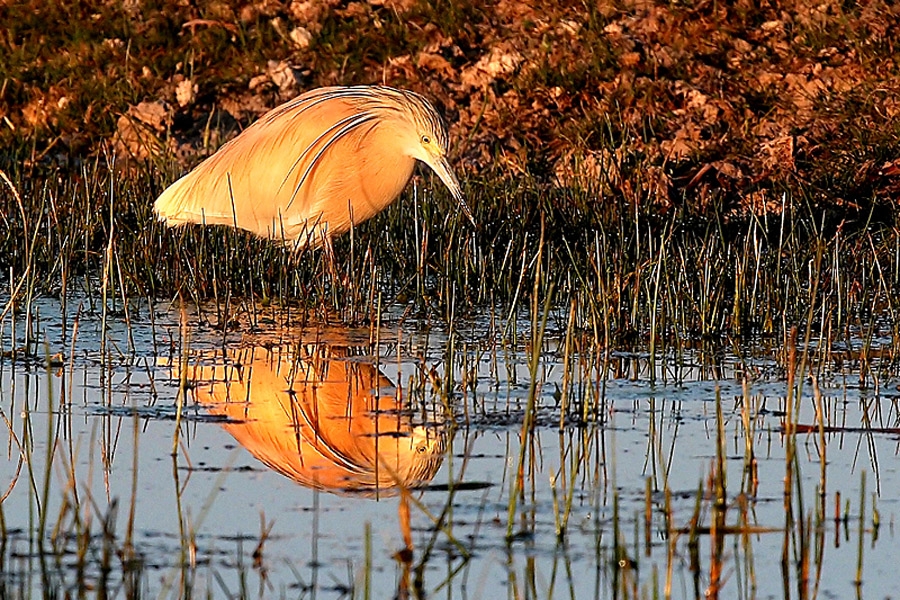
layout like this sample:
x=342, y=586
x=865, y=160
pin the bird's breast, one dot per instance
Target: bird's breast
x=354, y=184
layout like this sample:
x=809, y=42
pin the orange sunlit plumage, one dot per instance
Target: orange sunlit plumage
x=315, y=166
x=324, y=420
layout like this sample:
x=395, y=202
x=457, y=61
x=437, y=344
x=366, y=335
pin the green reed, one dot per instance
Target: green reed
x=624, y=272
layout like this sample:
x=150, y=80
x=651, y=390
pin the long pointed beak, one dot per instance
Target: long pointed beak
x=445, y=172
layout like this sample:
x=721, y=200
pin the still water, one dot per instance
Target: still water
x=315, y=461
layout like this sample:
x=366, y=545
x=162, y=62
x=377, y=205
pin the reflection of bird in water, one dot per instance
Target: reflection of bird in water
x=314, y=167
x=327, y=421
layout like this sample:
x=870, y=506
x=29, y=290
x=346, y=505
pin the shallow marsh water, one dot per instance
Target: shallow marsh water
x=275, y=492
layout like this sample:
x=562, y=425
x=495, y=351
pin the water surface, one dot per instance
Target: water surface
x=322, y=461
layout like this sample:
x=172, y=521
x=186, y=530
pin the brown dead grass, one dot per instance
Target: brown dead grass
x=675, y=105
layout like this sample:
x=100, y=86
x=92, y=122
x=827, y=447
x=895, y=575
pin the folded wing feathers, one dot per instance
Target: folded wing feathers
x=347, y=125
x=173, y=203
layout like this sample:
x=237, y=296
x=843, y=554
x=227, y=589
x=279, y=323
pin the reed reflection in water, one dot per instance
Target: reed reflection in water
x=322, y=417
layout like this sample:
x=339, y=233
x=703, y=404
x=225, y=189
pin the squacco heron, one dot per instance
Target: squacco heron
x=316, y=166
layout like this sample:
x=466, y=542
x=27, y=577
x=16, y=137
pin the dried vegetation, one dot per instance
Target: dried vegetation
x=672, y=104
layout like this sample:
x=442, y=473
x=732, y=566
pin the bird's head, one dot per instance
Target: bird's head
x=424, y=137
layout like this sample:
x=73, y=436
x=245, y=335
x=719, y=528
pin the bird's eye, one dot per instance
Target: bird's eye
x=426, y=139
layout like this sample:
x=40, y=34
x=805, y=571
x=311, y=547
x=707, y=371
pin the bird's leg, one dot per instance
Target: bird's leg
x=330, y=262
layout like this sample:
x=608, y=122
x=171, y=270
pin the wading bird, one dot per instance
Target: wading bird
x=316, y=166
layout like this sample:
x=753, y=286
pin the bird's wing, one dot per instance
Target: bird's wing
x=261, y=180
